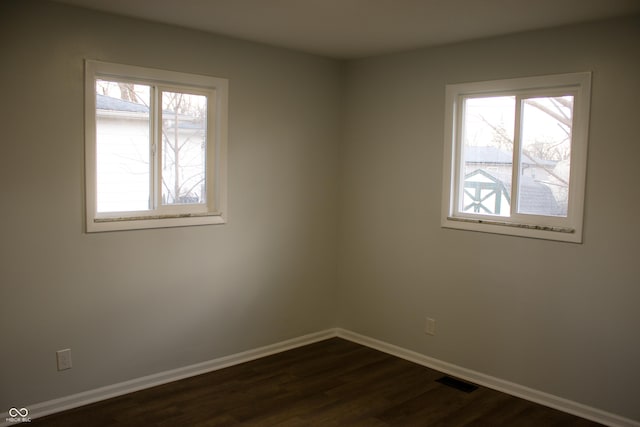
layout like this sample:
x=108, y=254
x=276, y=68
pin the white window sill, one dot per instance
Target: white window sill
x=155, y=221
x=561, y=234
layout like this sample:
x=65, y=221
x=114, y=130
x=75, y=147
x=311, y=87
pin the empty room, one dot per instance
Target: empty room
x=320, y=212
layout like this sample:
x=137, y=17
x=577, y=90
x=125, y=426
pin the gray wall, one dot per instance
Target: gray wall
x=134, y=303
x=335, y=176
x=558, y=317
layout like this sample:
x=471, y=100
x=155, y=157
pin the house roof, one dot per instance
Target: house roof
x=108, y=103
x=104, y=102
x=494, y=155
x=537, y=198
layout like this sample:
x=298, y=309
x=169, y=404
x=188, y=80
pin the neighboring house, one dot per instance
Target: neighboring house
x=123, y=129
x=487, y=184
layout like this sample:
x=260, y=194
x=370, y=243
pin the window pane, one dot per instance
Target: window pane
x=122, y=146
x=487, y=155
x=184, y=133
x=545, y=156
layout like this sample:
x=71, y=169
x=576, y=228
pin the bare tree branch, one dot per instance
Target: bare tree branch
x=559, y=117
x=501, y=132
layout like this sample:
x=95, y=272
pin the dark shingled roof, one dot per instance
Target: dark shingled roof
x=537, y=198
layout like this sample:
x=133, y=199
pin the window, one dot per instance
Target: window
x=156, y=145
x=515, y=156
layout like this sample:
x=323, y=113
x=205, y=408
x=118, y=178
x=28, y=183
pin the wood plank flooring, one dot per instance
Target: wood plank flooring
x=330, y=383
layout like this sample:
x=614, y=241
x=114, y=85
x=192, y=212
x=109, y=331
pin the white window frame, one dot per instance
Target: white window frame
x=566, y=229
x=215, y=209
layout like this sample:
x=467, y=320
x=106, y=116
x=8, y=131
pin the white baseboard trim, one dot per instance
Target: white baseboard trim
x=80, y=399
x=488, y=381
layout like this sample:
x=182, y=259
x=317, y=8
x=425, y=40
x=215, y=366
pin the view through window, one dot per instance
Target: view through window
x=515, y=156
x=156, y=147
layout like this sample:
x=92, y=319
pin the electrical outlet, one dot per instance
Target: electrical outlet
x=64, y=359
x=430, y=326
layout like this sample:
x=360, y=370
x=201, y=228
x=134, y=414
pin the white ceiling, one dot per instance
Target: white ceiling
x=359, y=28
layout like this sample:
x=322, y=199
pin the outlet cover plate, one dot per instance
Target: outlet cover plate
x=63, y=358
x=430, y=326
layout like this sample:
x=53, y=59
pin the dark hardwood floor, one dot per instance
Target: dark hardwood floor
x=330, y=383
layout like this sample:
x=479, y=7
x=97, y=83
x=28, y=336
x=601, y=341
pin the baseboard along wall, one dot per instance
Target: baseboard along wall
x=42, y=409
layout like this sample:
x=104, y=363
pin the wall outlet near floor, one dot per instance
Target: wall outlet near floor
x=430, y=326
x=64, y=359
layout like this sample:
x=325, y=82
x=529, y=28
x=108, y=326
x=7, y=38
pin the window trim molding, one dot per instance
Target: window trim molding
x=215, y=211
x=567, y=229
